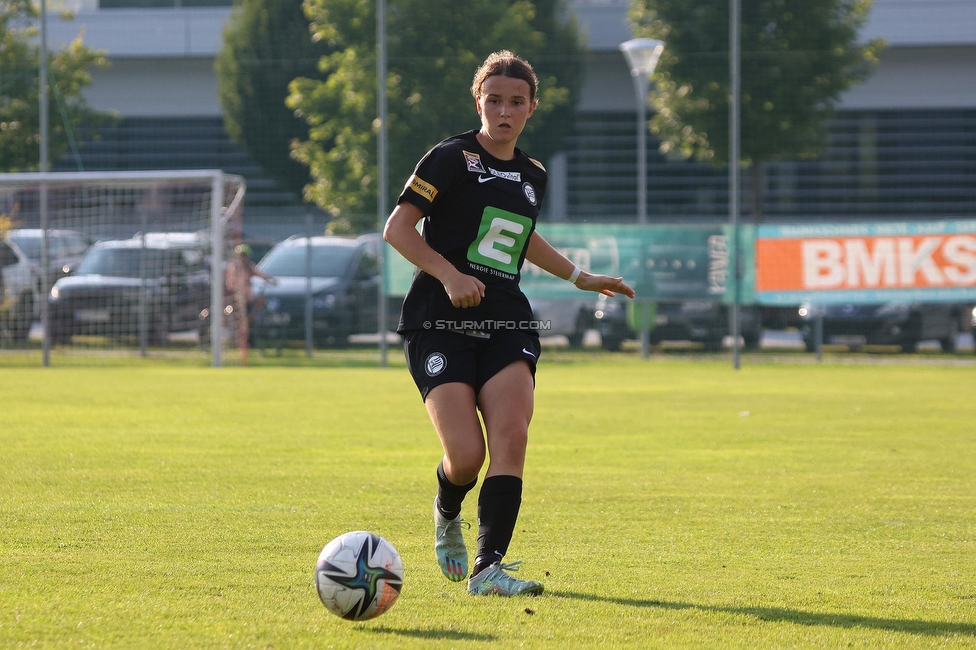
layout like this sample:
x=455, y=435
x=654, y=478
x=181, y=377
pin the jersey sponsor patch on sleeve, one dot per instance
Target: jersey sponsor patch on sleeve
x=473, y=162
x=422, y=187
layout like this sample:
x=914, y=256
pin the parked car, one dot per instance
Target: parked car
x=103, y=295
x=65, y=249
x=345, y=285
x=972, y=325
x=891, y=323
x=570, y=318
x=699, y=321
x=780, y=317
x=18, y=292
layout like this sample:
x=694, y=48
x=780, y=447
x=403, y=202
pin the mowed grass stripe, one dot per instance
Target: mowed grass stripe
x=667, y=504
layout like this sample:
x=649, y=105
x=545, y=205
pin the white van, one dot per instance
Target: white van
x=19, y=305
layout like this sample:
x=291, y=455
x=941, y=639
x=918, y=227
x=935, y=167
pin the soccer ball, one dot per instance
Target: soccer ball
x=359, y=576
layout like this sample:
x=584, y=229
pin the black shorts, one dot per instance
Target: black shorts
x=436, y=357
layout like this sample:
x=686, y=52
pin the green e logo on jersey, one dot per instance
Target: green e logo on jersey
x=501, y=239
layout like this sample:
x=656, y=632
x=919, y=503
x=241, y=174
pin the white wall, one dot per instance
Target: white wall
x=144, y=33
x=156, y=87
x=923, y=22
x=163, y=58
x=919, y=77
x=900, y=22
x=930, y=61
x=608, y=85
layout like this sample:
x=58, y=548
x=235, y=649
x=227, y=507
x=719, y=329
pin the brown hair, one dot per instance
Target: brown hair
x=505, y=64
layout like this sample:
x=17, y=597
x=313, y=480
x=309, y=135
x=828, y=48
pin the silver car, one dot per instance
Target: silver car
x=19, y=303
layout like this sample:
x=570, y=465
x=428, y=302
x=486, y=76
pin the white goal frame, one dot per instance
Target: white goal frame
x=222, y=212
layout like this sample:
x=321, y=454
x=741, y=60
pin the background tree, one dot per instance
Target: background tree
x=20, y=93
x=267, y=43
x=433, y=49
x=798, y=56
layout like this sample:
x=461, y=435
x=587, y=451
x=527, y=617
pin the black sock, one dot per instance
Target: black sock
x=450, y=496
x=498, y=509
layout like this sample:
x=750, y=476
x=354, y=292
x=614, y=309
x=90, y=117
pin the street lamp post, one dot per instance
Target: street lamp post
x=382, y=162
x=45, y=167
x=642, y=55
x=735, y=119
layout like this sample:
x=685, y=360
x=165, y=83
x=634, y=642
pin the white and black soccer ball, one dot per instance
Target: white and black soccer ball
x=359, y=576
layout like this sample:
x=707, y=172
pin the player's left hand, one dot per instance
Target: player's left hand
x=605, y=284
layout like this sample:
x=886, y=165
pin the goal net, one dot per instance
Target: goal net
x=100, y=264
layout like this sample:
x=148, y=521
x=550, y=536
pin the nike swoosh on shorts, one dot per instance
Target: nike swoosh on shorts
x=528, y=353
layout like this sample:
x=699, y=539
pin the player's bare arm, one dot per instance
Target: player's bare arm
x=401, y=233
x=542, y=254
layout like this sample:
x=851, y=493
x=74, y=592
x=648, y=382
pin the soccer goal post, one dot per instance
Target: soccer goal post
x=121, y=263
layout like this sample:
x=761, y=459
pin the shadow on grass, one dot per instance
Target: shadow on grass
x=795, y=616
x=440, y=635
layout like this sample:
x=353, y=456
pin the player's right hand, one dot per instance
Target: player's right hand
x=464, y=290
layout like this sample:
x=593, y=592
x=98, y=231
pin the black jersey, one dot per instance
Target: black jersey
x=479, y=214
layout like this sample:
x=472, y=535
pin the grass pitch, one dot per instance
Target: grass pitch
x=668, y=504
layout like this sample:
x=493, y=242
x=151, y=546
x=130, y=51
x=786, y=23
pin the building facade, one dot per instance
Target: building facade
x=902, y=145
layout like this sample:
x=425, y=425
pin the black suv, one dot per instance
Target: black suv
x=341, y=277
x=891, y=323
x=164, y=277
x=699, y=321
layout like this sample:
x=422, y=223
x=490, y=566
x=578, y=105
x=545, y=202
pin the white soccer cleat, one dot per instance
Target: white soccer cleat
x=452, y=554
x=495, y=580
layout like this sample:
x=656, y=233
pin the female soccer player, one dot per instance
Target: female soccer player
x=237, y=281
x=469, y=338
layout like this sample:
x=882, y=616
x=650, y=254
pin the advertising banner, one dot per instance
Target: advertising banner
x=661, y=262
x=866, y=263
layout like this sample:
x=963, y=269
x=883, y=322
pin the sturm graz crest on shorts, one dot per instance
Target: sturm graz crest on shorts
x=435, y=364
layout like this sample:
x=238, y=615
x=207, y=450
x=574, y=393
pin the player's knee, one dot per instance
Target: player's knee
x=514, y=429
x=509, y=443
x=473, y=460
x=463, y=465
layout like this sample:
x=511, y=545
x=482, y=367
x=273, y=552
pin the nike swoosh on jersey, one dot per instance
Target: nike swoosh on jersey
x=528, y=353
x=485, y=179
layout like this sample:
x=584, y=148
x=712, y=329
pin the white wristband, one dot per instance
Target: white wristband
x=575, y=274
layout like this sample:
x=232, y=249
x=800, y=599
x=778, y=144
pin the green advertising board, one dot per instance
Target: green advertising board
x=661, y=262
